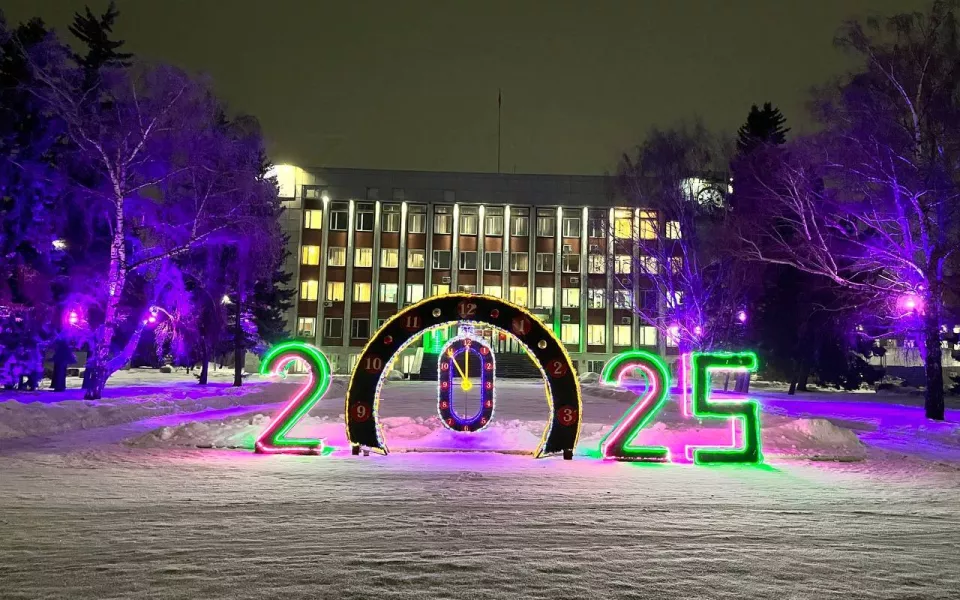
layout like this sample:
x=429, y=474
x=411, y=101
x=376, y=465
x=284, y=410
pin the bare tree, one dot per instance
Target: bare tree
x=162, y=175
x=872, y=202
x=677, y=255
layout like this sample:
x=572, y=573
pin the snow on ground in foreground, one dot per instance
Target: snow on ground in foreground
x=82, y=516
x=174, y=523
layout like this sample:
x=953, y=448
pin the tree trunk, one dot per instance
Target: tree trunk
x=204, y=364
x=933, y=361
x=61, y=360
x=238, y=351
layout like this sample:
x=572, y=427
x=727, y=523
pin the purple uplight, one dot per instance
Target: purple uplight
x=152, y=319
x=73, y=318
x=910, y=302
x=742, y=316
x=697, y=330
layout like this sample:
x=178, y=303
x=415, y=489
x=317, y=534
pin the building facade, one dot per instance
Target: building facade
x=365, y=243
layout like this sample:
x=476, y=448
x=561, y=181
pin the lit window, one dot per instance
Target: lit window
x=493, y=261
x=363, y=257
x=648, y=336
x=359, y=328
x=544, y=262
x=622, y=224
x=622, y=299
x=596, y=335
x=414, y=292
x=334, y=291
x=336, y=256
x=416, y=218
x=306, y=327
x=673, y=230
x=596, y=298
x=339, y=216
x=570, y=333
x=468, y=260
x=518, y=294
x=309, y=290
x=648, y=265
x=544, y=298
x=389, y=258
x=415, y=259
x=467, y=289
x=622, y=335
x=333, y=327
x=571, y=227
x=364, y=217
x=676, y=264
x=546, y=226
x=571, y=263
x=361, y=292
x=493, y=290
x=441, y=259
x=518, y=261
x=648, y=225
x=520, y=222
x=439, y=289
x=570, y=297
x=621, y=264
x=391, y=218
x=493, y=221
x=468, y=221
x=442, y=219
x=312, y=219
x=388, y=292
x=597, y=263
x=310, y=255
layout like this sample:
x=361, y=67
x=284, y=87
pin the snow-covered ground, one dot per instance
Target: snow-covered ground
x=127, y=506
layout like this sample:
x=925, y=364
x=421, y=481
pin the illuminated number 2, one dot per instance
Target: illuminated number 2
x=745, y=411
x=616, y=444
x=274, y=438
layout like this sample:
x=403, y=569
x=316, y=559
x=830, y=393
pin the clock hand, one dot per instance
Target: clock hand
x=466, y=385
x=454, y=361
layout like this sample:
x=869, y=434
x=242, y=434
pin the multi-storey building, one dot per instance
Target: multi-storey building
x=365, y=243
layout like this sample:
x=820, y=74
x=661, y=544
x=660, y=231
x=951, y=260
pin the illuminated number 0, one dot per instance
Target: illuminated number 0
x=274, y=438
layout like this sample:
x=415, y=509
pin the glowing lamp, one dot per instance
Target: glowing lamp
x=697, y=330
x=910, y=302
x=742, y=316
x=73, y=318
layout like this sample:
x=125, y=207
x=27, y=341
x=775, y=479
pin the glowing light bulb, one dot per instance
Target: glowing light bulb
x=742, y=316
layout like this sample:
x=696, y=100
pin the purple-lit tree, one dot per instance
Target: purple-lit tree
x=166, y=175
x=872, y=203
x=677, y=254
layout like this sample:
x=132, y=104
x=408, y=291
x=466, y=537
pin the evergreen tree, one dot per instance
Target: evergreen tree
x=95, y=33
x=763, y=126
x=271, y=301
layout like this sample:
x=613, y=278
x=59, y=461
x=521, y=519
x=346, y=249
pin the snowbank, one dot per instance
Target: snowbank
x=783, y=437
x=128, y=399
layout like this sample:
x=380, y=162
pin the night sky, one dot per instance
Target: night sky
x=413, y=85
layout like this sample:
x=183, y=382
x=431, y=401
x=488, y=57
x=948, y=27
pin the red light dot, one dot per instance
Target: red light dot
x=388, y=340
x=495, y=313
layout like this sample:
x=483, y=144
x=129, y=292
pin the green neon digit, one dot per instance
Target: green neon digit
x=617, y=444
x=746, y=411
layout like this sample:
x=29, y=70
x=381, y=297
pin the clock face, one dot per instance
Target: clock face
x=466, y=386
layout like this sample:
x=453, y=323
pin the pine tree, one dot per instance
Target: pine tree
x=95, y=34
x=763, y=126
x=269, y=306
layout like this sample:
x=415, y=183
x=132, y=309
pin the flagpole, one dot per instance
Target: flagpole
x=499, y=104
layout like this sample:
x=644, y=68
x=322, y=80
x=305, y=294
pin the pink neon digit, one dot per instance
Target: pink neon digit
x=682, y=377
x=652, y=391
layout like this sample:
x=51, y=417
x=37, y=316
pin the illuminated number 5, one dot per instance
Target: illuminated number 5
x=277, y=360
x=616, y=444
x=745, y=411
